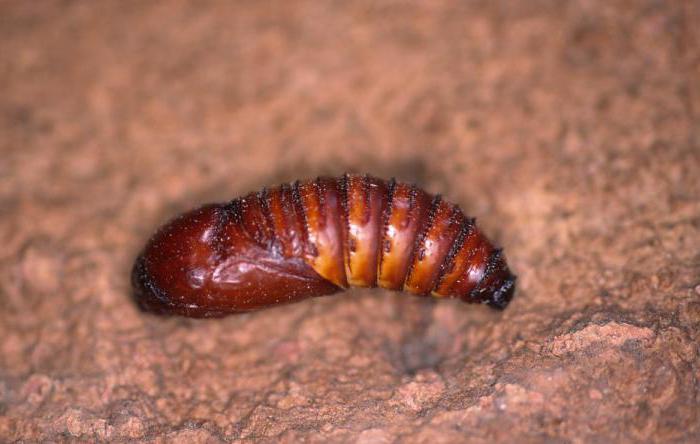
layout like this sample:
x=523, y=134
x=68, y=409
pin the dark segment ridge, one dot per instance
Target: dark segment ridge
x=366, y=199
x=388, y=209
x=292, y=226
x=343, y=186
x=412, y=198
x=223, y=217
x=233, y=209
x=418, y=251
x=287, y=203
x=264, y=199
x=301, y=217
x=447, y=265
x=347, y=241
x=384, y=246
x=255, y=224
x=321, y=193
x=491, y=266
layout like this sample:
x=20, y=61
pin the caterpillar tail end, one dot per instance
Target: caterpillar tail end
x=497, y=286
x=502, y=296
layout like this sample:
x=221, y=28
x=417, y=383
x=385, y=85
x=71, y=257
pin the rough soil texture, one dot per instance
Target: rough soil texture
x=571, y=130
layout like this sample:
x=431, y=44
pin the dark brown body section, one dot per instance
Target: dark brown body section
x=314, y=238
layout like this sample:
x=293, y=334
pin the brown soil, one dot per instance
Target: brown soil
x=571, y=130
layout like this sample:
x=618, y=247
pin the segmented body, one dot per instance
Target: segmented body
x=313, y=238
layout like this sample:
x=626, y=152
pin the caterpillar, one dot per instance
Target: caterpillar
x=313, y=238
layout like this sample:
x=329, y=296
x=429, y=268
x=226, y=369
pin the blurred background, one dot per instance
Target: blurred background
x=569, y=129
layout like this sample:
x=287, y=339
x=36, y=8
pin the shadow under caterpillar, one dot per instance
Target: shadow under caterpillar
x=314, y=238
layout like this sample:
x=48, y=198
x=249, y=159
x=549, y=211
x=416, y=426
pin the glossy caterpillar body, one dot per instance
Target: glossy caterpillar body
x=315, y=238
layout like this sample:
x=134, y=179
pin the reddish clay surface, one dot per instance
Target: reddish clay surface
x=571, y=130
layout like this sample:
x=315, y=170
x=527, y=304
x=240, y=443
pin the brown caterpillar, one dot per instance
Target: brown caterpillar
x=315, y=238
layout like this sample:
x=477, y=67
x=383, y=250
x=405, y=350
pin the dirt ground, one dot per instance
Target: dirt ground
x=571, y=130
